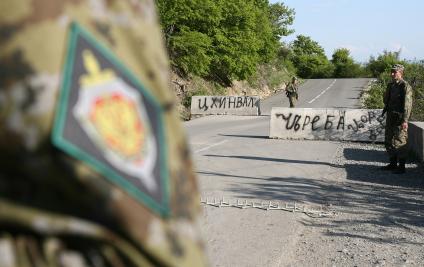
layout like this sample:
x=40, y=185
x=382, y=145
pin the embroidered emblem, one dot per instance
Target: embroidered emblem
x=108, y=119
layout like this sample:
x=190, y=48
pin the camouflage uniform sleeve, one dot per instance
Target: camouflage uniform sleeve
x=408, y=102
x=386, y=96
x=148, y=212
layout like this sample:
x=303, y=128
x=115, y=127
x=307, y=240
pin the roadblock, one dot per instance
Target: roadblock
x=416, y=138
x=327, y=124
x=225, y=105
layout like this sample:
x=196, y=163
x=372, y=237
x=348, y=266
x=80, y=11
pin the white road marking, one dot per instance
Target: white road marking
x=323, y=92
x=210, y=146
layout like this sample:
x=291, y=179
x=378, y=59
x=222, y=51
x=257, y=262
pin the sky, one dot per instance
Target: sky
x=365, y=27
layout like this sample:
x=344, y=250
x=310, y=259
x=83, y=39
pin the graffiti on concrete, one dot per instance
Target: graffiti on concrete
x=240, y=105
x=226, y=102
x=364, y=122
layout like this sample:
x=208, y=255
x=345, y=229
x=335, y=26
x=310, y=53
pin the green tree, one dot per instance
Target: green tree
x=414, y=75
x=344, y=65
x=188, y=26
x=383, y=63
x=236, y=41
x=190, y=52
x=309, y=58
x=281, y=17
x=223, y=39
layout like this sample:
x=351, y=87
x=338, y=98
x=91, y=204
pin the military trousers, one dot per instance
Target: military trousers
x=396, y=138
x=293, y=101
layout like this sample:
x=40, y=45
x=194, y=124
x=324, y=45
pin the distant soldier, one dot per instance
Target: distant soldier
x=292, y=92
x=94, y=166
x=397, y=105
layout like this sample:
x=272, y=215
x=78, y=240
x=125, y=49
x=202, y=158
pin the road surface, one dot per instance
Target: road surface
x=235, y=159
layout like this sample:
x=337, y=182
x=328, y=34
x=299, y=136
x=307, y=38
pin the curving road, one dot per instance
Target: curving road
x=322, y=93
x=235, y=159
x=315, y=93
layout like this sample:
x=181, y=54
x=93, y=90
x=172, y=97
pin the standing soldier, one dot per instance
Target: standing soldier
x=292, y=92
x=94, y=167
x=397, y=105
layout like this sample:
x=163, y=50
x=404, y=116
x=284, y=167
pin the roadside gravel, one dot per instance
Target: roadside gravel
x=380, y=215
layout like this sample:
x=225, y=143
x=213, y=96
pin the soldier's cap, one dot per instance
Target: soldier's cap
x=398, y=67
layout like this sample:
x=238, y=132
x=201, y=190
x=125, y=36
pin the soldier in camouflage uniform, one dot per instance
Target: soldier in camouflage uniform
x=94, y=166
x=292, y=92
x=397, y=105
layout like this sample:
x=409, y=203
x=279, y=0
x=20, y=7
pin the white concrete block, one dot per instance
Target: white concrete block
x=327, y=124
x=228, y=105
x=416, y=138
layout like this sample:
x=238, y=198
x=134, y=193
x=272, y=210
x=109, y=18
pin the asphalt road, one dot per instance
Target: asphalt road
x=322, y=93
x=235, y=159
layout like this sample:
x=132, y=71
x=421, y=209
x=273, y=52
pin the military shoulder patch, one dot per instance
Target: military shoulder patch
x=107, y=119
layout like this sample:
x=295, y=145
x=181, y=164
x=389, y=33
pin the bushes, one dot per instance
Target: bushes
x=374, y=96
x=344, y=65
x=414, y=75
x=271, y=75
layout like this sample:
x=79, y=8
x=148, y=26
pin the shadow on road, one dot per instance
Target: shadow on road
x=412, y=179
x=370, y=202
x=286, y=189
x=361, y=166
x=357, y=154
x=276, y=160
x=365, y=211
x=374, y=212
x=245, y=136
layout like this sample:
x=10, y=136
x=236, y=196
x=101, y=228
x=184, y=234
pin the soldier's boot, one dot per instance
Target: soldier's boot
x=392, y=165
x=401, y=168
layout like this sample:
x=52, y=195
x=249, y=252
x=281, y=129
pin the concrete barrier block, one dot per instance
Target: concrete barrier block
x=228, y=105
x=416, y=138
x=327, y=124
x=365, y=125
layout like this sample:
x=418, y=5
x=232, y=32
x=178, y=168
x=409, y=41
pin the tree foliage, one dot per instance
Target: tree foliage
x=344, y=65
x=414, y=74
x=383, y=63
x=281, y=16
x=309, y=58
x=223, y=39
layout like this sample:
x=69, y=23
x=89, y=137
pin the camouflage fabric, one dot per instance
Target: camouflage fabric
x=398, y=67
x=396, y=138
x=55, y=209
x=398, y=105
x=292, y=94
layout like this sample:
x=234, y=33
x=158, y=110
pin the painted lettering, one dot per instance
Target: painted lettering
x=239, y=102
x=371, y=116
x=231, y=100
x=251, y=102
x=204, y=106
x=245, y=101
x=364, y=118
x=368, y=125
x=329, y=122
x=223, y=102
x=215, y=101
x=314, y=121
x=341, y=123
x=306, y=122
